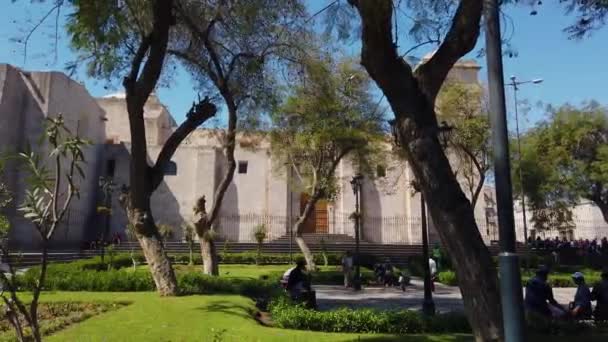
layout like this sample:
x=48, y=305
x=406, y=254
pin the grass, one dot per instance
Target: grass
x=208, y=318
x=325, y=275
x=193, y=318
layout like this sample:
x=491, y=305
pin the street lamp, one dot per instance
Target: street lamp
x=444, y=132
x=515, y=85
x=509, y=277
x=356, y=183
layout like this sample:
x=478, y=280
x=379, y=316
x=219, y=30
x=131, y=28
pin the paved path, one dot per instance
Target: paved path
x=447, y=298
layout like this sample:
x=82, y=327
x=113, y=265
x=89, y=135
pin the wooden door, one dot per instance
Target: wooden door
x=317, y=222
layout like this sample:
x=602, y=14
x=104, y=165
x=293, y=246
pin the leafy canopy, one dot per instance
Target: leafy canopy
x=565, y=159
x=328, y=115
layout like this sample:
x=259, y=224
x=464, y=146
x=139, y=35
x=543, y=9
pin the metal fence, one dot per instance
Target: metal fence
x=398, y=229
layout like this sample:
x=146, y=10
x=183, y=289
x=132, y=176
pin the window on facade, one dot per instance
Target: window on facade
x=110, y=168
x=243, y=166
x=380, y=171
x=171, y=169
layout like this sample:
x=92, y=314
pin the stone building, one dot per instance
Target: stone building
x=260, y=193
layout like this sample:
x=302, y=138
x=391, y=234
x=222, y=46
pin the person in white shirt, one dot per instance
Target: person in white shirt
x=433, y=269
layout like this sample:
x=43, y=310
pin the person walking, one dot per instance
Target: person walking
x=433, y=269
x=347, y=269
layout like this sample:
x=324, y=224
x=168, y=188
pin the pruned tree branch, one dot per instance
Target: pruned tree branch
x=198, y=114
x=460, y=40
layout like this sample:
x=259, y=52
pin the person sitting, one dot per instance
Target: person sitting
x=600, y=294
x=296, y=282
x=379, y=272
x=539, y=296
x=581, y=307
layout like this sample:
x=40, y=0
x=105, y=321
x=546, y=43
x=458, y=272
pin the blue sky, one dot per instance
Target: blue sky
x=573, y=71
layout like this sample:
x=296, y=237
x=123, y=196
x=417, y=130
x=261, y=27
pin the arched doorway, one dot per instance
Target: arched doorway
x=317, y=222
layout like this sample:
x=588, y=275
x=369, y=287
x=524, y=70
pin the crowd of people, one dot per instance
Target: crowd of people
x=539, y=297
x=595, y=246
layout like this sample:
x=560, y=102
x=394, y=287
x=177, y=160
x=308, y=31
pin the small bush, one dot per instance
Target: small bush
x=447, y=278
x=288, y=315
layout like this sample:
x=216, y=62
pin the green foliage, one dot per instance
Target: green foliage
x=288, y=315
x=92, y=275
x=447, y=278
x=259, y=234
x=328, y=115
x=5, y=200
x=462, y=107
x=564, y=159
x=189, y=234
x=165, y=231
x=56, y=316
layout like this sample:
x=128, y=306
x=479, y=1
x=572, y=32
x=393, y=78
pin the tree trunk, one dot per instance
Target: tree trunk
x=310, y=259
x=159, y=264
x=209, y=256
x=411, y=95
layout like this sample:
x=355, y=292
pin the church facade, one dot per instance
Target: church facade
x=260, y=193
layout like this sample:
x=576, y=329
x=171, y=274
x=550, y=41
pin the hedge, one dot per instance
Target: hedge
x=289, y=316
x=127, y=280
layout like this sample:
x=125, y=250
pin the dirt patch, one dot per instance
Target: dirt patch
x=59, y=315
x=264, y=318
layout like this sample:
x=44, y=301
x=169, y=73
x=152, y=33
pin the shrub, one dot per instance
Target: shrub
x=288, y=315
x=447, y=278
x=126, y=280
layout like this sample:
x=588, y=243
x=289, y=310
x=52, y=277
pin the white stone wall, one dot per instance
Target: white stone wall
x=26, y=100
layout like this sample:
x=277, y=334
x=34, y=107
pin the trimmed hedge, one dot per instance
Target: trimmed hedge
x=287, y=315
x=127, y=280
x=121, y=260
x=447, y=278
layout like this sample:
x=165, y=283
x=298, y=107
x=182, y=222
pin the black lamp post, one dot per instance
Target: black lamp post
x=510, y=277
x=356, y=183
x=515, y=85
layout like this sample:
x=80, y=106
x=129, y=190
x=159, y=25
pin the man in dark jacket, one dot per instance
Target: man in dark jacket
x=581, y=307
x=539, y=295
x=600, y=294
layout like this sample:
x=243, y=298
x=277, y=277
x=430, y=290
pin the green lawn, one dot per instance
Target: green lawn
x=193, y=318
x=326, y=274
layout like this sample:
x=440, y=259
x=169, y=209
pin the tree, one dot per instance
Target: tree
x=189, y=236
x=326, y=117
x=411, y=94
x=235, y=49
x=132, y=36
x=107, y=187
x=564, y=160
x=461, y=106
x=46, y=202
x=590, y=15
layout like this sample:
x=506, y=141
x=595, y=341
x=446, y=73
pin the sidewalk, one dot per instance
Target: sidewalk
x=447, y=298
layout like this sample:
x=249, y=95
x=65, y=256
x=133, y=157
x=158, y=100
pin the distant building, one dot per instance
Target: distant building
x=587, y=223
x=261, y=192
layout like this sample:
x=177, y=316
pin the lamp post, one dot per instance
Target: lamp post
x=356, y=183
x=510, y=277
x=515, y=85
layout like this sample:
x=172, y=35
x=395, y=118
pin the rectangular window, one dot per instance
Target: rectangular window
x=242, y=166
x=110, y=168
x=380, y=171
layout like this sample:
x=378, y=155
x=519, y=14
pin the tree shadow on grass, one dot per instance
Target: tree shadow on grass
x=414, y=338
x=231, y=309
